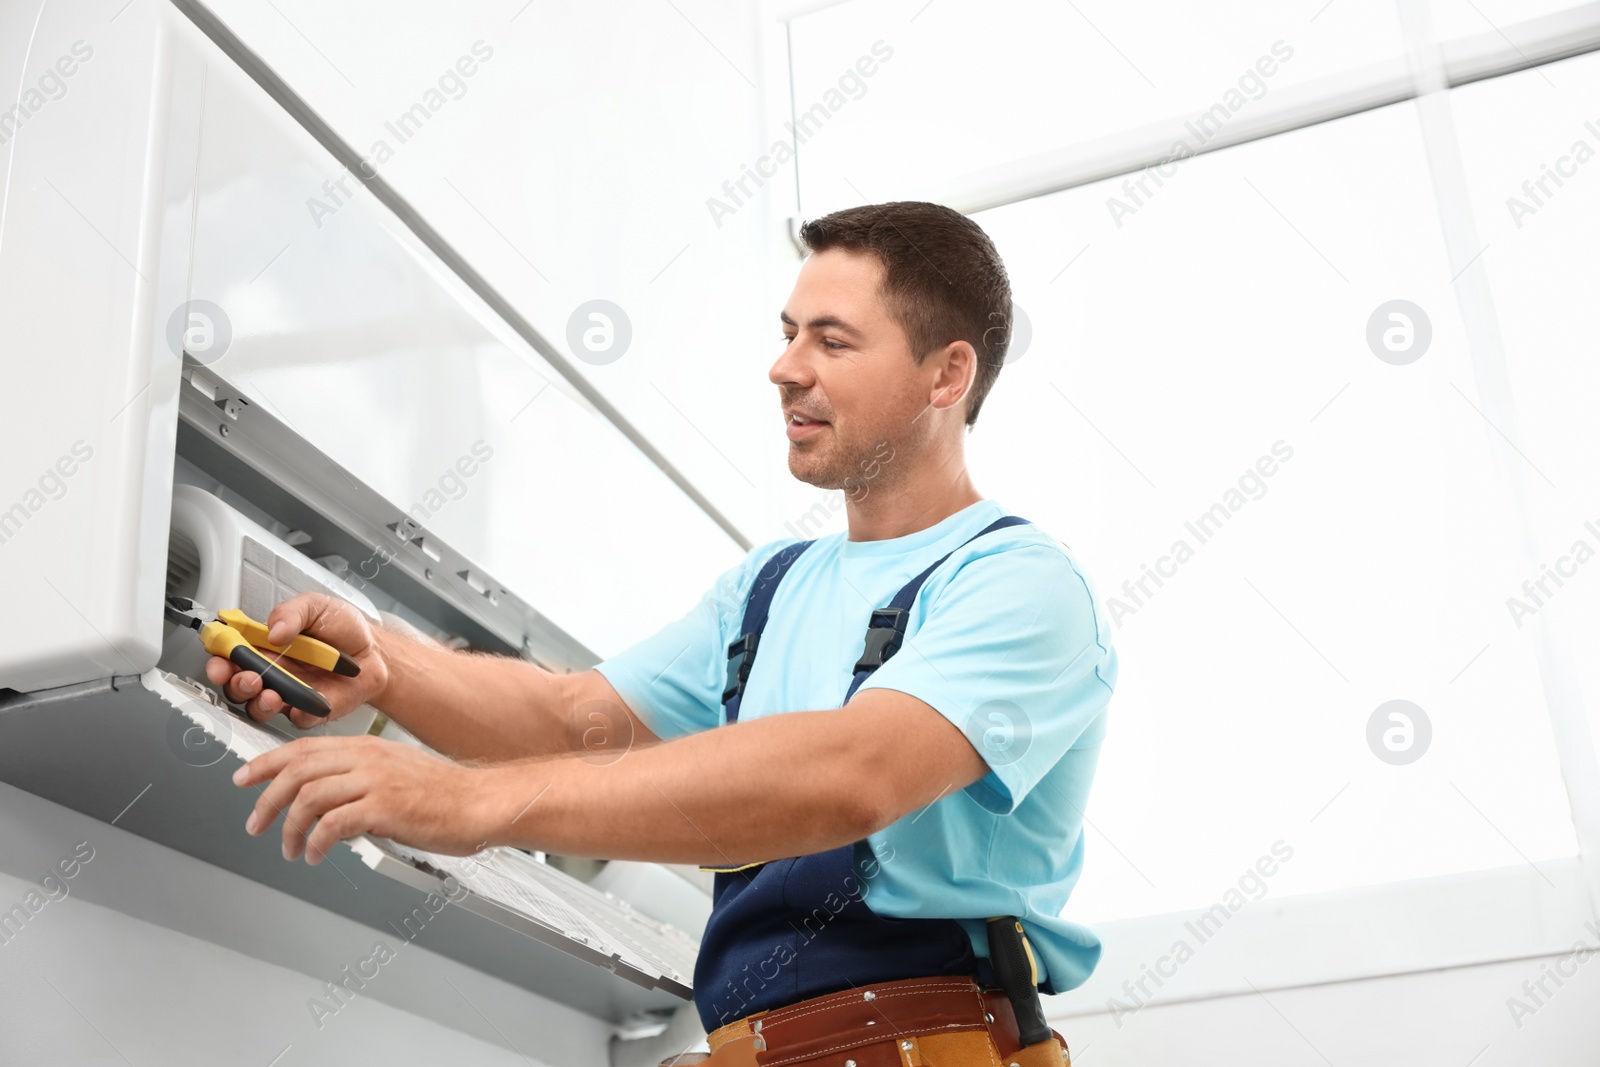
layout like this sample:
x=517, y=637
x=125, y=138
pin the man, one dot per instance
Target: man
x=869, y=797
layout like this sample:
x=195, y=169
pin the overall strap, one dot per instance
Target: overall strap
x=888, y=625
x=742, y=652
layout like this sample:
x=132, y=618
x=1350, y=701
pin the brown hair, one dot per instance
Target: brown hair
x=943, y=279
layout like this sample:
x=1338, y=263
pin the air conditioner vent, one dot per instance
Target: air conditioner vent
x=183, y=566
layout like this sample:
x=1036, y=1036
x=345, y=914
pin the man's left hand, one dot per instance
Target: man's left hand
x=338, y=787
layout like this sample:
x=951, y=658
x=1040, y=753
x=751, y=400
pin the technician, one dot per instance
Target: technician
x=881, y=740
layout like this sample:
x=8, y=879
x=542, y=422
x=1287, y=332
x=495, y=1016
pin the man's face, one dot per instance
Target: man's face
x=847, y=369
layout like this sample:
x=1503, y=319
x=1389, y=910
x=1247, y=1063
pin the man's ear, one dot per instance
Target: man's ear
x=957, y=365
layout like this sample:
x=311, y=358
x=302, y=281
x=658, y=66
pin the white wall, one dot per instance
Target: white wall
x=575, y=166
x=1452, y=1018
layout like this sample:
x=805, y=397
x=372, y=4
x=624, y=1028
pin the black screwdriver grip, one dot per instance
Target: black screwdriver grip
x=1009, y=958
x=294, y=692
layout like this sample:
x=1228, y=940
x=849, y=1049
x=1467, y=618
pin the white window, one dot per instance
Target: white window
x=1305, y=392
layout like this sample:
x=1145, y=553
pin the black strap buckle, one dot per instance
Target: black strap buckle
x=741, y=657
x=884, y=634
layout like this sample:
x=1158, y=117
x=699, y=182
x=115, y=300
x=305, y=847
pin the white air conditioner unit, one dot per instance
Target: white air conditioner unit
x=210, y=392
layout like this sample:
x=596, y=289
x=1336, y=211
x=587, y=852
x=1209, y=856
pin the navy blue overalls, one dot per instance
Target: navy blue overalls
x=796, y=928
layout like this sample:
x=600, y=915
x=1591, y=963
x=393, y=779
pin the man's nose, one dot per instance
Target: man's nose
x=791, y=368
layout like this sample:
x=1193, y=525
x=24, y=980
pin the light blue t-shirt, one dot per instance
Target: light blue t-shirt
x=1006, y=640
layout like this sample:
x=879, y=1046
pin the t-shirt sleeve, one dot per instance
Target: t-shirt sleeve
x=673, y=680
x=1012, y=651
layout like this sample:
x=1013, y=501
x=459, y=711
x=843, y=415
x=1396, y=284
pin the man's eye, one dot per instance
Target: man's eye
x=834, y=345
x=787, y=338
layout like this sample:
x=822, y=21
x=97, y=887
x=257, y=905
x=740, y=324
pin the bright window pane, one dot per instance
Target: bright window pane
x=1467, y=18
x=1035, y=76
x=1531, y=129
x=1170, y=356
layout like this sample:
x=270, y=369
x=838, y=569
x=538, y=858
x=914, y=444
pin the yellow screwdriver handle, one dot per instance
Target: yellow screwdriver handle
x=303, y=648
x=223, y=640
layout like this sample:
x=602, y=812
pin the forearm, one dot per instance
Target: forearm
x=781, y=786
x=471, y=705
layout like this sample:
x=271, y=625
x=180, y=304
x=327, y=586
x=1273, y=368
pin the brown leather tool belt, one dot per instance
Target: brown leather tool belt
x=915, y=1021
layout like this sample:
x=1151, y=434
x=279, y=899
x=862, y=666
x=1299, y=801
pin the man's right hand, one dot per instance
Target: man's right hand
x=332, y=620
